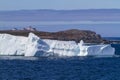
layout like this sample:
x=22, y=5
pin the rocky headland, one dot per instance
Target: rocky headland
x=66, y=35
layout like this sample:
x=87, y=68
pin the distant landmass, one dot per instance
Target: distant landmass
x=61, y=15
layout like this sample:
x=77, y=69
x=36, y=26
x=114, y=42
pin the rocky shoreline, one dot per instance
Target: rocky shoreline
x=67, y=35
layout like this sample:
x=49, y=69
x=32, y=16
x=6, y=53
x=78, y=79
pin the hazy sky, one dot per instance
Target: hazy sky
x=58, y=4
x=68, y=4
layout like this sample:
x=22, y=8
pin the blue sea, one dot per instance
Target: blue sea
x=51, y=68
x=60, y=68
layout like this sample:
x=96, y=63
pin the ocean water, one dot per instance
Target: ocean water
x=74, y=68
x=112, y=38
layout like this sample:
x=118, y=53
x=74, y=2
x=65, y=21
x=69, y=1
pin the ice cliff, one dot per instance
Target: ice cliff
x=34, y=46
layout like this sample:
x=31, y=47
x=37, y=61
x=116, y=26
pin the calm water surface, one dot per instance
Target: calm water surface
x=51, y=68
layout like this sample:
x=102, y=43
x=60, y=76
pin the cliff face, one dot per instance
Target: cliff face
x=68, y=35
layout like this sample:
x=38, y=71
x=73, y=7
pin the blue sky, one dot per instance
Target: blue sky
x=58, y=4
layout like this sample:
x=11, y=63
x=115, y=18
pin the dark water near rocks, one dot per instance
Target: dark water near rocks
x=66, y=68
x=112, y=38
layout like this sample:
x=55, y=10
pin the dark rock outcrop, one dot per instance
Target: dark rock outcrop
x=67, y=35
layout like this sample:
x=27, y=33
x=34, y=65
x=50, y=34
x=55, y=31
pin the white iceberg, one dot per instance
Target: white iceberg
x=34, y=46
x=96, y=50
x=62, y=48
x=12, y=45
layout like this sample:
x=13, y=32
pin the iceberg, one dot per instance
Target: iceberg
x=62, y=48
x=35, y=46
x=96, y=50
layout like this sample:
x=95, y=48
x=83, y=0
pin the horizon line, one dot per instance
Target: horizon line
x=64, y=9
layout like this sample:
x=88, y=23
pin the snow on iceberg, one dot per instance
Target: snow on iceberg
x=34, y=46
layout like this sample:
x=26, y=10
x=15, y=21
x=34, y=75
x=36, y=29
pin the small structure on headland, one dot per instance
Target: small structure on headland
x=14, y=29
x=30, y=28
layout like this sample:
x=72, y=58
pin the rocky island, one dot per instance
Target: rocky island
x=67, y=35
